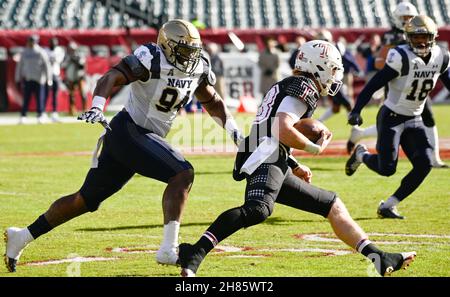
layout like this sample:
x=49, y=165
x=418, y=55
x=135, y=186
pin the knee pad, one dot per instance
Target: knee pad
x=255, y=212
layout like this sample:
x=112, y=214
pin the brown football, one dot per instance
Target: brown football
x=311, y=128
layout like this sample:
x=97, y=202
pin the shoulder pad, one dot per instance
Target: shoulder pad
x=304, y=89
x=398, y=60
x=136, y=67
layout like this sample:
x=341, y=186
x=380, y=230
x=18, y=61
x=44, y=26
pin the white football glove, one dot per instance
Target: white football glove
x=94, y=115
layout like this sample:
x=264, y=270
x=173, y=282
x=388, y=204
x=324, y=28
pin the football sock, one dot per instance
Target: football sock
x=39, y=227
x=369, y=132
x=171, y=231
x=391, y=202
x=366, y=247
x=326, y=115
x=226, y=224
x=360, y=156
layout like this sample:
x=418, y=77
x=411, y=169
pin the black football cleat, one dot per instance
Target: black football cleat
x=388, y=213
x=391, y=262
x=352, y=163
x=190, y=259
x=350, y=146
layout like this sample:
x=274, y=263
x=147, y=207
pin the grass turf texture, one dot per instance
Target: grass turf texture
x=33, y=176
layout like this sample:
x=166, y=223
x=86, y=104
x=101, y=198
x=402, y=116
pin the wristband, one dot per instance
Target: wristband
x=312, y=148
x=99, y=102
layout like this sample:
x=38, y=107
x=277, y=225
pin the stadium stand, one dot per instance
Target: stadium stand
x=241, y=14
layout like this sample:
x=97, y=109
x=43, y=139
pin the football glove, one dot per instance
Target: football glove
x=94, y=115
x=355, y=119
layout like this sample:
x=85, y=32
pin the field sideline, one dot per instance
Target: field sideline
x=40, y=163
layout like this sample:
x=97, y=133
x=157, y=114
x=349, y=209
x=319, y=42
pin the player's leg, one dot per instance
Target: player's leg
x=417, y=149
x=357, y=134
x=432, y=134
x=301, y=195
x=384, y=162
x=331, y=110
x=101, y=182
x=262, y=189
x=151, y=156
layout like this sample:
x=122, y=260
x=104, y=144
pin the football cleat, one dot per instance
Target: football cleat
x=391, y=262
x=353, y=163
x=439, y=165
x=190, y=259
x=16, y=239
x=388, y=212
x=167, y=256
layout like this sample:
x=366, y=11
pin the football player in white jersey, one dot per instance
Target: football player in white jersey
x=273, y=175
x=411, y=72
x=163, y=78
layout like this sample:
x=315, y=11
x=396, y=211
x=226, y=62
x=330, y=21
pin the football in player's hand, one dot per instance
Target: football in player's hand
x=311, y=128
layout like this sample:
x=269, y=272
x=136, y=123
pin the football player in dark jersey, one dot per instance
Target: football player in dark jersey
x=272, y=175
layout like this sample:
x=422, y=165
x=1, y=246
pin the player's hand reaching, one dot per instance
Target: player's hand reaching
x=237, y=137
x=94, y=115
x=324, y=140
x=303, y=172
x=354, y=119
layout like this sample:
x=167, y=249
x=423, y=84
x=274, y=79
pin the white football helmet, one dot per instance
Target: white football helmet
x=324, y=62
x=402, y=13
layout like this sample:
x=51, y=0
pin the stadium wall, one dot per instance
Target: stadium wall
x=11, y=99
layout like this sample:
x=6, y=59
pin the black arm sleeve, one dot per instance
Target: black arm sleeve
x=445, y=78
x=377, y=82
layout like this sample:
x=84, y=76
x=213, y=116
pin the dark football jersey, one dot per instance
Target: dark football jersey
x=394, y=37
x=300, y=87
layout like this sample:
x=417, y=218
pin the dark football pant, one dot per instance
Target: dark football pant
x=409, y=132
x=427, y=115
x=342, y=99
x=271, y=183
x=129, y=149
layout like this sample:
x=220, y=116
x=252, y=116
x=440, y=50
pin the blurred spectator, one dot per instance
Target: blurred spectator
x=282, y=44
x=130, y=43
x=299, y=40
x=368, y=51
x=33, y=73
x=213, y=50
x=269, y=63
x=345, y=95
x=198, y=23
x=75, y=72
x=56, y=56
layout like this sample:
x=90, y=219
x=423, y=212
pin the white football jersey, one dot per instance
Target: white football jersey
x=154, y=104
x=408, y=92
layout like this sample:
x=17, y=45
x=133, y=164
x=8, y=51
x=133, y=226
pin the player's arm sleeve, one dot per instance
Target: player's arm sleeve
x=391, y=70
x=445, y=78
x=294, y=107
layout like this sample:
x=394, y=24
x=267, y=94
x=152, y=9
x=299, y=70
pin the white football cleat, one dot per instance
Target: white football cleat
x=167, y=256
x=16, y=239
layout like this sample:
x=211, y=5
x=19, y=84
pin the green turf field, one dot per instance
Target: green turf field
x=40, y=163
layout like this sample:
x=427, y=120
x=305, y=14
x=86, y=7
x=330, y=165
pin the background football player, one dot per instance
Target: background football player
x=272, y=175
x=163, y=78
x=411, y=72
x=402, y=13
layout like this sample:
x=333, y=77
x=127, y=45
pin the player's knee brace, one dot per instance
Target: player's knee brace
x=255, y=212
